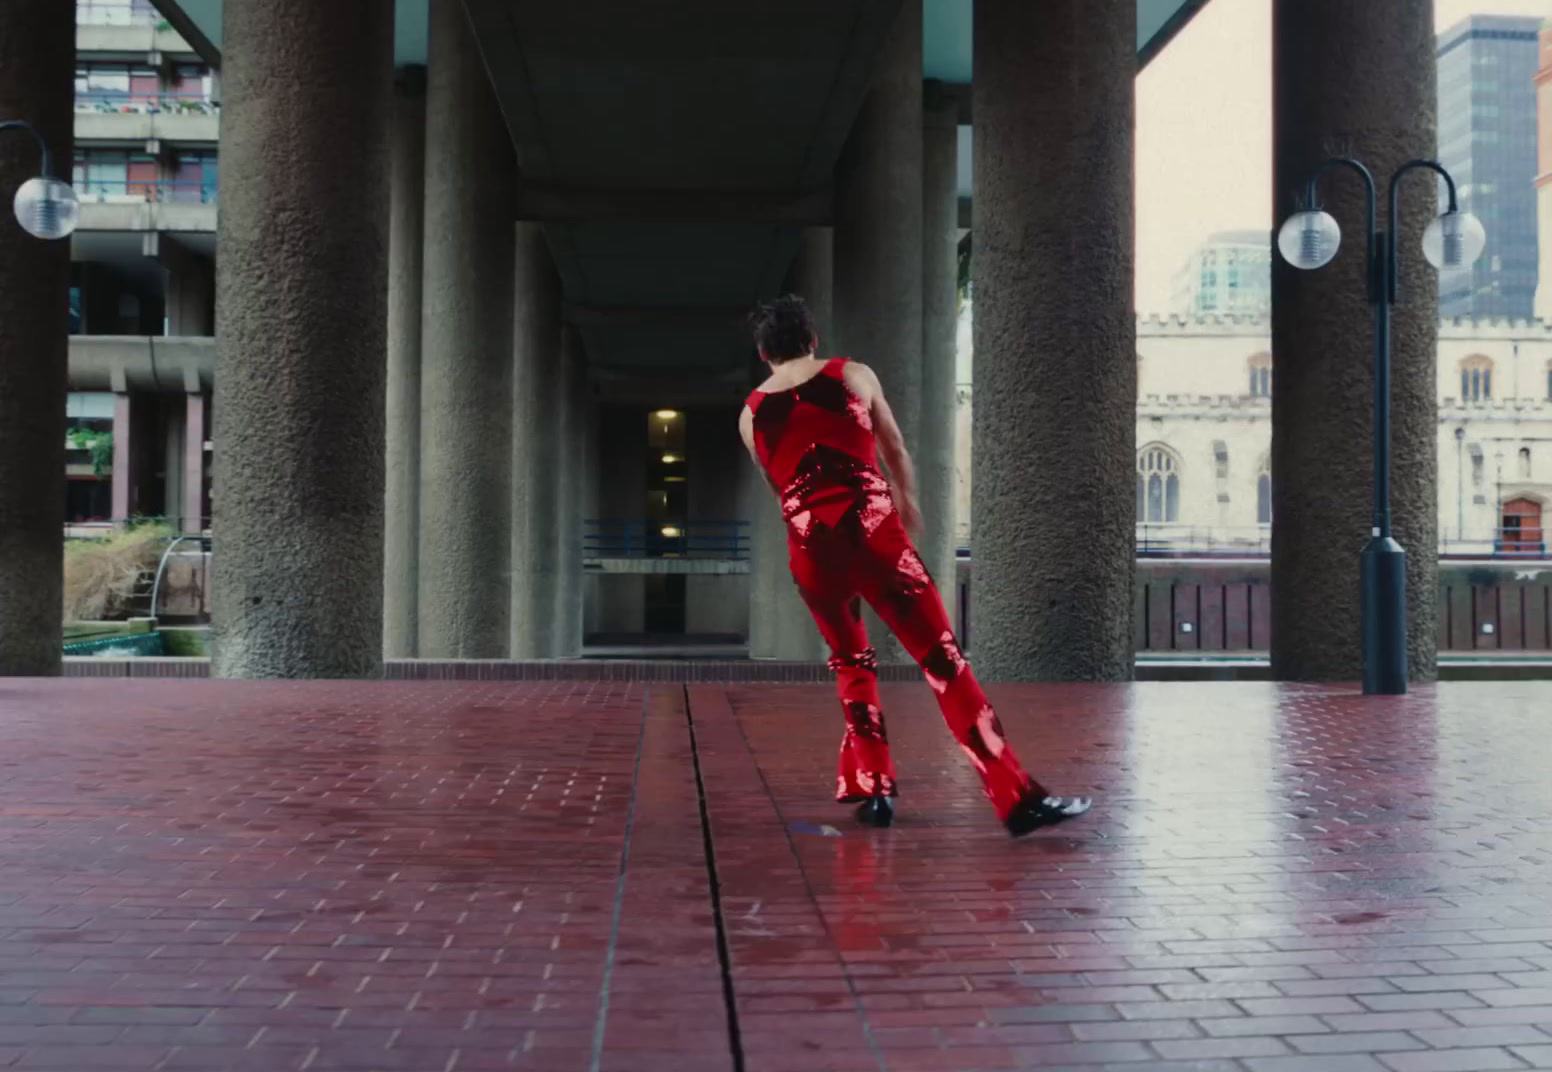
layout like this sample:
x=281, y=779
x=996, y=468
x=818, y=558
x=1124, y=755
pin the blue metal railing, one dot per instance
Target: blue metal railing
x=101, y=190
x=1513, y=548
x=661, y=539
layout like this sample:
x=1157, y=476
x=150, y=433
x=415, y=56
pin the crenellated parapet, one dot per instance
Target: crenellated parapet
x=1165, y=325
x=1244, y=407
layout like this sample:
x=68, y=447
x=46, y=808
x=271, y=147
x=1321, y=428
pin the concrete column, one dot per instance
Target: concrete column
x=571, y=437
x=878, y=242
x=940, y=323
x=301, y=289
x=173, y=419
x=780, y=626
x=1358, y=77
x=193, y=461
x=536, y=352
x=1055, y=355
x=592, y=596
x=37, y=61
x=123, y=456
x=466, y=354
x=401, y=504
x=190, y=289
x=622, y=444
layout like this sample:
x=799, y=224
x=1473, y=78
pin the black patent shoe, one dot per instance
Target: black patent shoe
x=1033, y=814
x=877, y=812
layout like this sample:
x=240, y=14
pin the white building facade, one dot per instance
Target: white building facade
x=1204, y=433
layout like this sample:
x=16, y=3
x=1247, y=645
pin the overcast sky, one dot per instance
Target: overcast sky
x=1204, y=132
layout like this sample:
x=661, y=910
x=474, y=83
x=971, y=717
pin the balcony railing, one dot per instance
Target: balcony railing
x=111, y=103
x=107, y=191
x=116, y=13
x=727, y=540
x=1166, y=540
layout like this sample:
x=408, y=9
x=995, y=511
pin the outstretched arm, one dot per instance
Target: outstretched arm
x=891, y=443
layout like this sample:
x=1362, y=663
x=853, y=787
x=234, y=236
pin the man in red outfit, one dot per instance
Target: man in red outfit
x=817, y=430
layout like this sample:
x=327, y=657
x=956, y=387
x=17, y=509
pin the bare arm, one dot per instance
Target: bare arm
x=891, y=443
x=746, y=431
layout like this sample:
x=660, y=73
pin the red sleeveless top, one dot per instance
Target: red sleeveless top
x=816, y=443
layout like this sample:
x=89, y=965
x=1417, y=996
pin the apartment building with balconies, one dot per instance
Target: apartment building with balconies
x=142, y=310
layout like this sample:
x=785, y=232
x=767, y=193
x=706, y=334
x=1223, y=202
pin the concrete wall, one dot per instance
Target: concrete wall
x=141, y=37
x=138, y=215
x=181, y=128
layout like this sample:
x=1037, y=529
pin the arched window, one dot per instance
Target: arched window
x=1264, y=493
x=1261, y=376
x=1524, y=463
x=1476, y=378
x=1158, y=485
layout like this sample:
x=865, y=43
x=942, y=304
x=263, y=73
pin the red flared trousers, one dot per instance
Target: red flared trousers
x=835, y=571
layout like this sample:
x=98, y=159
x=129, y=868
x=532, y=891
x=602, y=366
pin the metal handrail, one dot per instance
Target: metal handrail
x=115, y=13
x=639, y=538
x=161, y=567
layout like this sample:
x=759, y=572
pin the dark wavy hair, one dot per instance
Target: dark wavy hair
x=783, y=329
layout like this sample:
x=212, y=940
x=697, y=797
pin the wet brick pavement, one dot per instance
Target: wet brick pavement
x=487, y=875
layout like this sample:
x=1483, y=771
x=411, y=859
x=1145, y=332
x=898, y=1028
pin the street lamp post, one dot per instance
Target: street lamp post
x=45, y=207
x=1309, y=240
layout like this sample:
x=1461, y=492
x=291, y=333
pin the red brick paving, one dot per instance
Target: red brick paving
x=488, y=875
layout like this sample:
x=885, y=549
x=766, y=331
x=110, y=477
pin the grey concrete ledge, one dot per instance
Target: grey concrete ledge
x=738, y=671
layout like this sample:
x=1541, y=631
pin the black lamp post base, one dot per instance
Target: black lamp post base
x=1382, y=576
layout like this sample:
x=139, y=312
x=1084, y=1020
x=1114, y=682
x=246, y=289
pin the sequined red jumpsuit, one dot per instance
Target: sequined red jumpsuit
x=847, y=544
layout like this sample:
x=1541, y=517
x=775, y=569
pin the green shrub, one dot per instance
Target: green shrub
x=100, y=574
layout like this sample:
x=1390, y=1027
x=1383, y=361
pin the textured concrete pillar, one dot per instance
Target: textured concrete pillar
x=1356, y=78
x=780, y=626
x=192, y=486
x=878, y=241
x=536, y=364
x=37, y=63
x=571, y=437
x=1055, y=356
x=124, y=467
x=406, y=231
x=466, y=354
x=940, y=324
x=297, y=569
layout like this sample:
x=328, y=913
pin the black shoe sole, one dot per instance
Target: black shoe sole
x=1038, y=814
x=877, y=812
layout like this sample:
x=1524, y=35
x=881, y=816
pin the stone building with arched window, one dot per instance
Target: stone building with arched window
x=1204, y=428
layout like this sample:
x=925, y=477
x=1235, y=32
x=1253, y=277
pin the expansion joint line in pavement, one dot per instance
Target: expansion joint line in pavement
x=709, y=850
x=601, y=1025
x=808, y=888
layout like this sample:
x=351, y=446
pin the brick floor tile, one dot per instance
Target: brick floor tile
x=1356, y=1042
x=1206, y=1049
x=1263, y=1025
x=1444, y=1038
x=1417, y=1020
x=1480, y=1060
x=262, y=875
x=1311, y=1063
